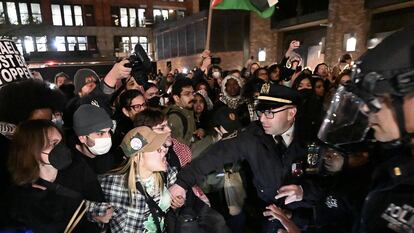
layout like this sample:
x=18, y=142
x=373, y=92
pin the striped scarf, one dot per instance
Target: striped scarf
x=184, y=155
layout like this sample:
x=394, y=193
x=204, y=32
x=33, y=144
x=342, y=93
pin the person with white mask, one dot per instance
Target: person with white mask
x=92, y=125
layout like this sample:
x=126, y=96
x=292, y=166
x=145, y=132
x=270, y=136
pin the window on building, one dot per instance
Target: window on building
x=2, y=14
x=41, y=44
x=72, y=15
x=29, y=44
x=71, y=43
x=132, y=17
x=164, y=14
x=172, y=14
x=36, y=13
x=20, y=13
x=24, y=13
x=157, y=15
x=127, y=43
x=82, y=43
x=56, y=15
x=124, y=17
x=78, y=15
x=144, y=43
x=141, y=17
x=180, y=14
x=67, y=15
x=128, y=17
x=60, y=43
x=12, y=13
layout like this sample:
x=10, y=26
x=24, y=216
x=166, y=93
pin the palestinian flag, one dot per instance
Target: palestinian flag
x=264, y=8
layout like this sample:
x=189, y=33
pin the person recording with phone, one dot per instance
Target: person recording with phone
x=291, y=64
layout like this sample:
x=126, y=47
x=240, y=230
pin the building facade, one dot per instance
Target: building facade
x=48, y=31
x=326, y=29
x=173, y=32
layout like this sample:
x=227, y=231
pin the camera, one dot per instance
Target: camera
x=140, y=64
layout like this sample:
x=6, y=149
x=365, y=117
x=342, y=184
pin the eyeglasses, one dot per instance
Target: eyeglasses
x=270, y=114
x=188, y=94
x=138, y=107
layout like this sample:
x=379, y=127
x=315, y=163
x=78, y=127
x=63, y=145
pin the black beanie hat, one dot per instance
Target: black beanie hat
x=89, y=119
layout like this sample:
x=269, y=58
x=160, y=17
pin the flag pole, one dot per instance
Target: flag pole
x=210, y=14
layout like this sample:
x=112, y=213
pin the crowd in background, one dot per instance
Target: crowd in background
x=104, y=148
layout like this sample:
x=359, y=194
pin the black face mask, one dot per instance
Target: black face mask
x=60, y=156
x=305, y=93
x=154, y=101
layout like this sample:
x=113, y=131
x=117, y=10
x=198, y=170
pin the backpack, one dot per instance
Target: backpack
x=182, y=117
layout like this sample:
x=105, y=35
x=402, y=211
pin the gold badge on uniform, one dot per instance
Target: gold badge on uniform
x=265, y=89
x=232, y=116
x=397, y=171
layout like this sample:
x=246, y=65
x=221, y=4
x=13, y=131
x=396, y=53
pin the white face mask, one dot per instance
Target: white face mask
x=102, y=146
x=216, y=74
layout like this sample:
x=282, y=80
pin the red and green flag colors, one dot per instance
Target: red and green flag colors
x=264, y=8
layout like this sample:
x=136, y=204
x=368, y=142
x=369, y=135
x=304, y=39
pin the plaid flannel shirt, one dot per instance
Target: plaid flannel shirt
x=128, y=215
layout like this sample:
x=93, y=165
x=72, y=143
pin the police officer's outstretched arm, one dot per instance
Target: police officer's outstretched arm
x=229, y=150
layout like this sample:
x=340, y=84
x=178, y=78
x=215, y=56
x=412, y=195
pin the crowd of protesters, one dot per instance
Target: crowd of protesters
x=210, y=150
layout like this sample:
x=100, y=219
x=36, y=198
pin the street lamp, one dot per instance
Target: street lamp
x=350, y=42
x=261, y=54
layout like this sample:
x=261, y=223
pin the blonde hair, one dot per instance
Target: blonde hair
x=130, y=169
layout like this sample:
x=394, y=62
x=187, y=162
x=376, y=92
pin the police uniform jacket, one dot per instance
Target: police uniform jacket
x=271, y=169
x=389, y=206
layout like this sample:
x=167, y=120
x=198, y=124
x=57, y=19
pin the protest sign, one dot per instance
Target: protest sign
x=12, y=64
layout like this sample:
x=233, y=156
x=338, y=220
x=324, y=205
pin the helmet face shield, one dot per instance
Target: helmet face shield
x=346, y=120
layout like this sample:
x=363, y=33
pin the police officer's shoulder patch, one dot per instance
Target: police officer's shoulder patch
x=229, y=136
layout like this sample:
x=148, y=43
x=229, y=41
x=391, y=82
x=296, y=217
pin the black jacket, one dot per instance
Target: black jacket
x=389, y=206
x=47, y=211
x=342, y=199
x=4, y=180
x=102, y=164
x=271, y=170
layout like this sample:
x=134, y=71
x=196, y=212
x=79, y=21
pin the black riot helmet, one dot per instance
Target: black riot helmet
x=386, y=70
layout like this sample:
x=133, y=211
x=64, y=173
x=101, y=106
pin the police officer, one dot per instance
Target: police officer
x=270, y=148
x=381, y=97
